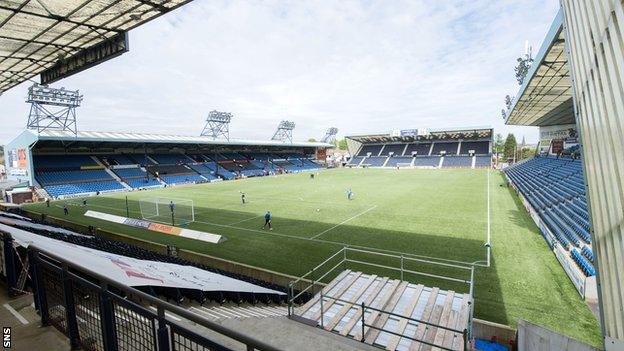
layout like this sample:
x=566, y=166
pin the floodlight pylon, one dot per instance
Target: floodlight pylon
x=52, y=109
x=217, y=125
x=284, y=131
x=330, y=135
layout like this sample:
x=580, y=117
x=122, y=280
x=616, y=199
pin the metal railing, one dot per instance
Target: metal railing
x=323, y=270
x=96, y=313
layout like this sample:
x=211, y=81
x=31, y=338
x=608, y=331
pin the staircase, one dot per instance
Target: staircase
x=116, y=177
x=217, y=312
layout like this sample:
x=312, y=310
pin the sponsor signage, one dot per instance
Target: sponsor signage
x=158, y=227
x=409, y=132
x=139, y=223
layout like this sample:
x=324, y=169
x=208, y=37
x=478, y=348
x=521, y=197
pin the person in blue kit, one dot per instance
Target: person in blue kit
x=267, y=220
x=171, y=206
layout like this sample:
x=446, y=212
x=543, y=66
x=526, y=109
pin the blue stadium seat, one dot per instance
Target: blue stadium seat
x=554, y=186
x=583, y=263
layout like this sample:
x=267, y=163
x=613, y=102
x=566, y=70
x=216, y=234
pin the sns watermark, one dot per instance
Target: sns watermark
x=6, y=337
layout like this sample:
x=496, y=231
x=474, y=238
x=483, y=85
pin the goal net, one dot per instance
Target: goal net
x=167, y=210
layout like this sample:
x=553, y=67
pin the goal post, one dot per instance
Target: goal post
x=167, y=210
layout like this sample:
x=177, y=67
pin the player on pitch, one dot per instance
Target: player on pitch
x=267, y=220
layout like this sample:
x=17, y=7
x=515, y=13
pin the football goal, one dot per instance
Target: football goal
x=404, y=165
x=167, y=210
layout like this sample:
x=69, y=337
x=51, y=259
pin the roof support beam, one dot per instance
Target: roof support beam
x=59, y=18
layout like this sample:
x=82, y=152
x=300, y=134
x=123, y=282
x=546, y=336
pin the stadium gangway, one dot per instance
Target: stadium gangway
x=158, y=329
x=312, y=278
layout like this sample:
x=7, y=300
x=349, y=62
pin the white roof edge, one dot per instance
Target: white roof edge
x=164, y=138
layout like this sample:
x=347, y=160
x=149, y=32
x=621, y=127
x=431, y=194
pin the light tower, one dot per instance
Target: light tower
x=52, y=109
x=217, y=124
x=330, y=135
x=284, y=131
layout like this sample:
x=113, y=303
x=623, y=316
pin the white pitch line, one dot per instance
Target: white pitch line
x=343, y=222
x=16, y=314
x=488, y=220
x=245, y=220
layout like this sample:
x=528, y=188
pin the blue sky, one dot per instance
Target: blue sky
x=361, y=66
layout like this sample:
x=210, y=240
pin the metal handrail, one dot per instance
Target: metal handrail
x=160, y=304
x=415, y=339
x=410, y=271
x=318, y=266
x=313, y=283
x=408, y=257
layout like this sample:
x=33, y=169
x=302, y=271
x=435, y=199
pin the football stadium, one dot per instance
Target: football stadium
x=411, y=239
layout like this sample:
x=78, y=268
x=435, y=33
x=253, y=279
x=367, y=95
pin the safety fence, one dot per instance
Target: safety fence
x=97, y=313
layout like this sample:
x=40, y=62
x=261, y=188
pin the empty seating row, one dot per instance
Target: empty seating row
x=58, y=177
x=62, y=161
x=170, y=158
x=80, y=188
x=133, y=172
x=182, y=178
x=457, y=161
x=372, y=149
x=588, y=253
x=448, y=148
x=582, y=262
x=116, y=160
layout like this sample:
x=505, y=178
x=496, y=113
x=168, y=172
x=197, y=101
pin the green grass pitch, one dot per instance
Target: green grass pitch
x=433, y=213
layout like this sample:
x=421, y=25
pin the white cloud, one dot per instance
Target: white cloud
x=362, y=66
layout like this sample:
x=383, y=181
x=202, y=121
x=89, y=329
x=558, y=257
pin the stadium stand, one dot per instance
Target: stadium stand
x=462, y=148
x=555, y=189
x=58, y=162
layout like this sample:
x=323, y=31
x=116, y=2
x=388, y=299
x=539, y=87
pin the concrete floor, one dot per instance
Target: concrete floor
x=26, y=331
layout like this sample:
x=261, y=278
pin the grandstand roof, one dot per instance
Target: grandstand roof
x=36, y=35
x=50, y=137
x=545, y=97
